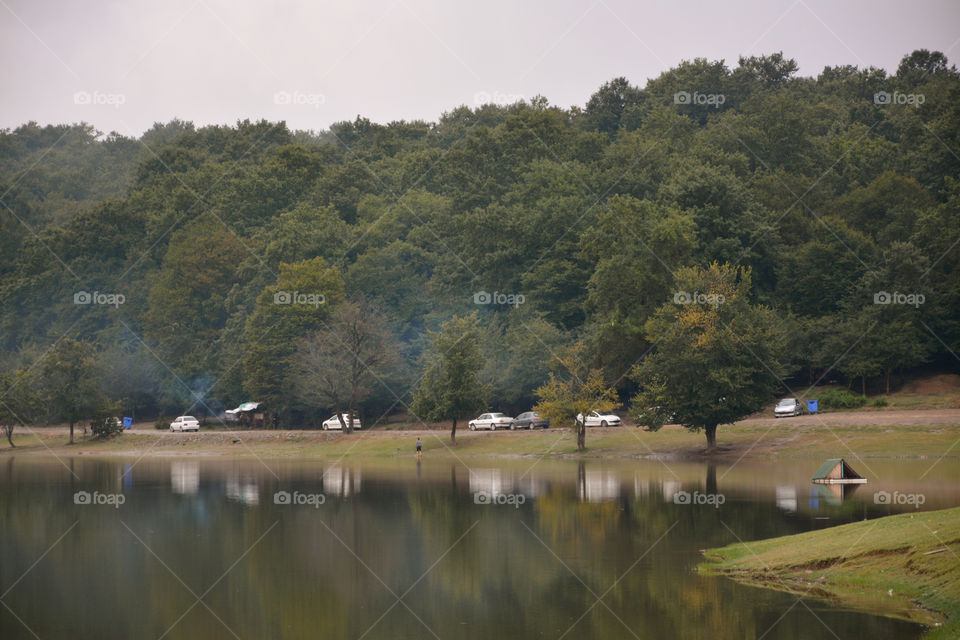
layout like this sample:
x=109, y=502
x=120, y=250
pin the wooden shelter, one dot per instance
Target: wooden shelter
x=837, y=471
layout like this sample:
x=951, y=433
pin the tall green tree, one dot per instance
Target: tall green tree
x=70, y=375
x=300, y=302
x=451, y=387
x=717, y=357
x=20, y=401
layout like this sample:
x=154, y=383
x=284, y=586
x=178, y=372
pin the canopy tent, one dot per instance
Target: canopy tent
x=246, y=406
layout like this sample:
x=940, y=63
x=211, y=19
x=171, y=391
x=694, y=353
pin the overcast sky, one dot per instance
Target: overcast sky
x=124, y=64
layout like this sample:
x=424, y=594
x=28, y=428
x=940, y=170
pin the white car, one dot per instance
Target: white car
x=185, y=423
x=333, y=422
x=595, y=419
x=787, y=407
x=492, y=421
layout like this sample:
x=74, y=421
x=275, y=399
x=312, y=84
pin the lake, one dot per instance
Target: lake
x=190, y=548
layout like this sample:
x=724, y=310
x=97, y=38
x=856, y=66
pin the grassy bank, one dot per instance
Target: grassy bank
x=903, y=566
x=749, y=440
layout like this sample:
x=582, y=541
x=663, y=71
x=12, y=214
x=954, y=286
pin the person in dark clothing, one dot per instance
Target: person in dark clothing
x=419, y=447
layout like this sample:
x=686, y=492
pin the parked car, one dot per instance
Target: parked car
x=185, y=423
x=333, y=422
x=787, y=407
x=529, y=420
x=595, y=419
x=491, y=421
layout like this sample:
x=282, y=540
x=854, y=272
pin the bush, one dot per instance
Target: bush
x=880, y=402
x=840, y=399
x=106, y=428
x=161, y=425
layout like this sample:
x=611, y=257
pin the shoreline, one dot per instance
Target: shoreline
x=914, y=435
x=901, y=566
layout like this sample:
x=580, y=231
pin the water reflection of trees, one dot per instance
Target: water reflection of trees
x=512, y=575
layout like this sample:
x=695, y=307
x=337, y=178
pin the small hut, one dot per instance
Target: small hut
x=837, y=471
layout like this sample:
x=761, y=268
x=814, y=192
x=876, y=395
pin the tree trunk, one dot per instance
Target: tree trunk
x=888, y=379
x=581, y=435
x=350, y=419
x=864, y=384
x=711, y=431
x=453, y=432
x=71, y=433
x=343, y=425
x=9, y=429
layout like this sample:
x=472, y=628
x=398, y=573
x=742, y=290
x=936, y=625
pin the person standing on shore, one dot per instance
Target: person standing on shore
x=419, y=447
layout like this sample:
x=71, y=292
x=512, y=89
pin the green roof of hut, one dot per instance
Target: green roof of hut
x=837, y=471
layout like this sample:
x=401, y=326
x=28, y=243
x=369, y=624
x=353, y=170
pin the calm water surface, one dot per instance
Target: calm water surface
x=273, y=549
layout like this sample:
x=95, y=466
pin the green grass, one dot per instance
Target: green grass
x=882, y=566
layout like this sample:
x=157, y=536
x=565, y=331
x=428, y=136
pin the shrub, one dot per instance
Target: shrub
x=106, y=428
x=840, y=399
x=161, y=425
x=880, y=402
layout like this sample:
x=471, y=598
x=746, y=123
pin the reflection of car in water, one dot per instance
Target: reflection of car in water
x=787, y=407
x=599, y=486
x=342, y=482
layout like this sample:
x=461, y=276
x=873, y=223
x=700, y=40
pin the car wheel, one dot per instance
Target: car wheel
x=513, y=427
x=324, y=426
x=472, y=426
x=603, y=423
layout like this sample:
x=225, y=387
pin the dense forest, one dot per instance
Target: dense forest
x=196, y=261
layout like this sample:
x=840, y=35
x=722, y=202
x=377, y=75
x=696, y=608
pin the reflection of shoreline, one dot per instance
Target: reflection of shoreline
x=250, y=480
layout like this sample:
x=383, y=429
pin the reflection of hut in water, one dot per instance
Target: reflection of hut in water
x=837, y=471
x=831, y=494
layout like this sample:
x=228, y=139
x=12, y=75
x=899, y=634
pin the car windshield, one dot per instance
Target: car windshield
x=786, y=402
x=496, y=415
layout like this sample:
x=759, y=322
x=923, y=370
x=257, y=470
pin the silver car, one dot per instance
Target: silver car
x=787, y=407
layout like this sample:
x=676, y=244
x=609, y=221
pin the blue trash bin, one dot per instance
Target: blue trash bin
x=813, y=406
x=127, y=422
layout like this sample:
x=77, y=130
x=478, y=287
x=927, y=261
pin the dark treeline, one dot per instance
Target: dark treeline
x=190, y=242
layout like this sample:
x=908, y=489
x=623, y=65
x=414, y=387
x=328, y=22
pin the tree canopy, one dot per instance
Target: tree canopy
x=826, y=190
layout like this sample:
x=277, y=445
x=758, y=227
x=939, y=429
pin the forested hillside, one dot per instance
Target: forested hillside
x=831, y=190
